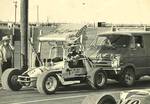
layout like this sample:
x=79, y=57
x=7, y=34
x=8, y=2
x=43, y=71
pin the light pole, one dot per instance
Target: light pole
x=24, y=32
x=15, y=2
x=13, y=29
x=37, y=15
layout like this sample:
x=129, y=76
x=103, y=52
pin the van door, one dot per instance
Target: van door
x=147, y=50
x=139, y=54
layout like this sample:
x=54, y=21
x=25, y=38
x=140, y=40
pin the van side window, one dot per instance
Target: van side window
x=139, y=41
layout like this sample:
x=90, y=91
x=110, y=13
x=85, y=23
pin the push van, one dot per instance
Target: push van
x=123, y=56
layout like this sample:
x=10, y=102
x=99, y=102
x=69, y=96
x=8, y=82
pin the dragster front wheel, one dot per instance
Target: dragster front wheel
x=47, y=83
x=9, y=79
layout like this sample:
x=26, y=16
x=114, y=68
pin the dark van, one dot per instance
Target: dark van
x=124, y=56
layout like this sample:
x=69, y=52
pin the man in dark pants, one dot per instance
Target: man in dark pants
x=6, y=51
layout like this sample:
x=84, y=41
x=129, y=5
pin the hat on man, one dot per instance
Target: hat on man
x=5, y=38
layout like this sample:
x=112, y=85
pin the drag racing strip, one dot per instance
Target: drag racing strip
x=43, y=100
x=66, y=95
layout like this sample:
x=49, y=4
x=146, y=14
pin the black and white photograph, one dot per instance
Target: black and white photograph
x=74, y=52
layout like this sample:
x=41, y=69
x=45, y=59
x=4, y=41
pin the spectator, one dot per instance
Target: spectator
x=6, y=53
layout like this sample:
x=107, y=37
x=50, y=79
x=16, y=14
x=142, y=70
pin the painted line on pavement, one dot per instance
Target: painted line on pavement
x=42, y=100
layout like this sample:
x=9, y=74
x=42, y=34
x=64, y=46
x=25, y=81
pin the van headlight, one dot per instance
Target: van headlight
x=115, y=60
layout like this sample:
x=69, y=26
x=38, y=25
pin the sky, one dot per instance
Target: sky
x=81, y=11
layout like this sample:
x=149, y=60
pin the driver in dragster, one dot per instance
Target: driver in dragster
x=74, y=58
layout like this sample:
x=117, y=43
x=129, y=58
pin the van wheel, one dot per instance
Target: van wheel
x=107, y=99
x=47, y=83
x=128, y=77
x=137, y=78
x=99, y=80
x=9, y=79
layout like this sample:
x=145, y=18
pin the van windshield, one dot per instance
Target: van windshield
x=117, y=41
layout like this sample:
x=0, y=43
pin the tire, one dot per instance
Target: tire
x=128, y=77
x=9, y=79
x=99, y=80
x=138, y=78
x=117, y=79
x=47, y=83
x=107, y=99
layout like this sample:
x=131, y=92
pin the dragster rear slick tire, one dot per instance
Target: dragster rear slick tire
x=47, y=83
x=9, y=79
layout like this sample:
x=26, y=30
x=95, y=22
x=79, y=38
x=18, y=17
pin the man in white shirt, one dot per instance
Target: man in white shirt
x=6, y=53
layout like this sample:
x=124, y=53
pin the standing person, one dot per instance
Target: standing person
x=6, y=53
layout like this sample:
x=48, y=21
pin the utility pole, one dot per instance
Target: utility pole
x=47, y=19
x=15, y=2
x=24, y=33
x=37, y=15
x=13, y=29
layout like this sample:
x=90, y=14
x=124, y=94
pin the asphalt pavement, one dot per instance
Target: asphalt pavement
x=66, y=95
